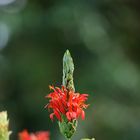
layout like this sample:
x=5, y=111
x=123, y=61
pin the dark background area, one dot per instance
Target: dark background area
x=103, y=38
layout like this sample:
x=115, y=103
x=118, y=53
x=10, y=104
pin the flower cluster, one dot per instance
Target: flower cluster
x=41, y=135
x=67, y=103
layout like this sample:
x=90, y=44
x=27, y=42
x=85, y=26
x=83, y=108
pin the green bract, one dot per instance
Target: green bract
x=67, y=128
x=4, y=123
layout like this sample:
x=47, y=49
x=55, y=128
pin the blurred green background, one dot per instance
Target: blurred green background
x=103, y=38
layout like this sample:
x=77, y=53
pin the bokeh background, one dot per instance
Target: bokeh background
x=103, y=37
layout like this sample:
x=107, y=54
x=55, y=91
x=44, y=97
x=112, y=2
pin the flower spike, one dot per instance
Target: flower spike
x=66, y=104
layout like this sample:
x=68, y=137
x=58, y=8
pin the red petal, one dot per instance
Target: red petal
x=83, y=114
x=24, y=135
x=73, y=115
x=43, y=135
x=57, y=115
x=68, y=116
x=51, y=116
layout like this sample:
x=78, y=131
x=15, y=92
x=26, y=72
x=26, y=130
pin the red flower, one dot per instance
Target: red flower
x=68, y=103
x=42, y=135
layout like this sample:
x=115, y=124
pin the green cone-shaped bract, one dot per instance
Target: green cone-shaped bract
x=68, y=69
x=4, y=123
x=68, y=128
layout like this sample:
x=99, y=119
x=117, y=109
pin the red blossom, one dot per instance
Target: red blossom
x=67, y=103
x=41, y=135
